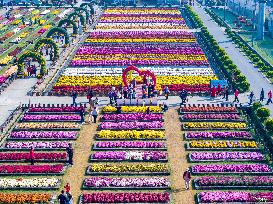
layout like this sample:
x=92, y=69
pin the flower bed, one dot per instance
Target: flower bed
x=29, y=183
x=47, y=126
x=218, y=135
x=52, y=135
x=151, y=156
x=211, y=117
x=225, y=156
x=232, y=182
x=56, y=109
x=36, y=145
x=126, y=183
x=131, y=134
x=131, y=125
x=108, y=169
x=49, y=118
x=39, y=156
x=214, y=125
x=231, y=168
x=32, y=198
x=129, y=145
x=221, y=144
x=209, y=109
x=124, y=197
x=133, y=116
x=31, y=169
x=238, y=196
x=132, y=109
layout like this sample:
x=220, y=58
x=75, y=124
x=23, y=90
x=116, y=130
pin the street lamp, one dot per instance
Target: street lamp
x=224, y=10
x=253, y=21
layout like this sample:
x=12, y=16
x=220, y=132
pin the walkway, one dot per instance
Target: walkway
x=256, y=79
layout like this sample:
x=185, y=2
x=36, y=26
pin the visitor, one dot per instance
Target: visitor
x=110, y=95
x=219, y=89
x=166, y=92
x=269, y=95
x=62, y=198
x=118, y=109
x=227, y=93
x=148, y=111
x=164, y=107
x=74, y=97
x=144, y=93
x=251, y=96
x=90, y=95
x=213, y=91
x=67, y=187
x=262, y=95
x=130, y=94
x=134, y=94
x=95, y=114
x=82, y=115
x=125, y=93
x=183, y=96
x=31, y=156
x=96, y=101
x=134, y=82
x=224, y=92
x=236, y=95
x=187, y=178
x=69, y=199
x=69, y=151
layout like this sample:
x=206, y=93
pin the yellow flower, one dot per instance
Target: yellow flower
x=131, y=134
x=212, y=125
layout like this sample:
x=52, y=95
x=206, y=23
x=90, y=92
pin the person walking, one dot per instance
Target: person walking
x=166, y=92
x=62, y=199
x=213, y=92
x=187, y=178
x=69, y=151
x=69, y=199
x=251, y=96
x=262, y=95
x=74, y=97
x=269, y=95
x=31, y=156
x=227, y=93
x=95, y=114
x=67, y=187
x=236, y=94
x=82, y=115
x=90, y=95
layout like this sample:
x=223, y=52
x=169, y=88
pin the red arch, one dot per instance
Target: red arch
x=144, y=73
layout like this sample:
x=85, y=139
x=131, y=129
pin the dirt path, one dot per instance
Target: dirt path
x=82, y=149
x=177, y=158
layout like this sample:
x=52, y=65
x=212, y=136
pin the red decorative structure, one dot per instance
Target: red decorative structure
x=144, y=73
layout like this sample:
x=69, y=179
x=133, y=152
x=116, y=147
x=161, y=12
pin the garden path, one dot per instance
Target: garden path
x=177, y=158
x=82, y=150
x=256, y=79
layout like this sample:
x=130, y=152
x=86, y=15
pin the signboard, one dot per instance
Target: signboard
x=215, y=83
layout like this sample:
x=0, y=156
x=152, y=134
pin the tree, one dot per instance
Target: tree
x=69, y=22
x=47, y=41
x=60, y=31
x=263, y=113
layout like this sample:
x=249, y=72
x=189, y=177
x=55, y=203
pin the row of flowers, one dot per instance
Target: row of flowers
x=43, y=135
x=122, y=197
x=37, y=145
x=56, y=109
x=106, y=182
x=238, y=196
x=30, y=169
x=49, y=125
x=128, y=168
x=131, y=134
x=130, y=144
x=151, y=25
x=158, y=71
x=207, y=109
x=231, y=168
x=32, y=198
x=28, y=117
x=222, y=144
x=139, y=34
x=133, y=116
x=130, y=155
x=29, y=183
x=216, y=116
x=139, y=40
x=226, y=156
x=131, y=125
x=235, y=181
x=44, y=156
x=215, y=125
x=219, y=135
x=132, y=109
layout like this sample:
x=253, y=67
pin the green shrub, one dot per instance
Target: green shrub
x=269, y=125
x=269, y=74
x=263, y=112
x=256, y=105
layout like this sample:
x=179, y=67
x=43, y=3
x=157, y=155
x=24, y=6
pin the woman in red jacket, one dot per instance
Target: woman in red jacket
x=32, y=156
